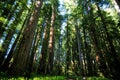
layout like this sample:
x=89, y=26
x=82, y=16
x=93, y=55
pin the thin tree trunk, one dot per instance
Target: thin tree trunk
x=42, y=62
x=79, y=48
x=51, y=42
x=9, y=38
x=87, y=51
x=10, y=55
x=9, y=16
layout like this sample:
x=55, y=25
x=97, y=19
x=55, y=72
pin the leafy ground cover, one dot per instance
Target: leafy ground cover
x=54, y=78
x=48, y=77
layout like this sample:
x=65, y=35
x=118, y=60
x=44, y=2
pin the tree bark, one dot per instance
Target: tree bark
x=20, y=63
x=114, y=62
x=43, y=57
x=9, y=37
x=51, y=41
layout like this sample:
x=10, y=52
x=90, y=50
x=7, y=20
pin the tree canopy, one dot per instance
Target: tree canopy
x=60, y=37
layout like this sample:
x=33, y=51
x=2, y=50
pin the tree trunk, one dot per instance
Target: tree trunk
x=44, y=51
x=51, y=42
x=20, y=63
x=8, y=17
x=93, y=33
x=114, y=62
x=79, y=47
x=87, y=52
x=9, y=37
x=11, y=54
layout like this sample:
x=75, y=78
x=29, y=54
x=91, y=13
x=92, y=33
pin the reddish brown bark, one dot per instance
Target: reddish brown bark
x=51, y=42
x=20, y=63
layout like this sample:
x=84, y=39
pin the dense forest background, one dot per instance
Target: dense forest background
x=60, y=37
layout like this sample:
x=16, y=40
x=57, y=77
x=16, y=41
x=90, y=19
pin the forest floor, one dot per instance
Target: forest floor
x=39, y=77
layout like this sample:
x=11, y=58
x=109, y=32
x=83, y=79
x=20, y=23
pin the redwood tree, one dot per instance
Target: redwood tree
x=21, y=60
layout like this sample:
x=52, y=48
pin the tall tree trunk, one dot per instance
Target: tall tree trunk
x=92, y=31
x=11, y=54
x=114, y=62
x=51, y=42
x=79, y=43
x=9, y=37
x=34, y=64
x=87, y=52
x=35, y=44
x=68, y=50
x=20, y=63
x=5, y=65
x=44, y=51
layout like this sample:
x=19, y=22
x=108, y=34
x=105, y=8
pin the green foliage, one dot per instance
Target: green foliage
x=44, y=77
x=91, y=29
x=49, y=78
x=22, y=4
x=33, y=77
x=96, y=78
x=2, y=19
